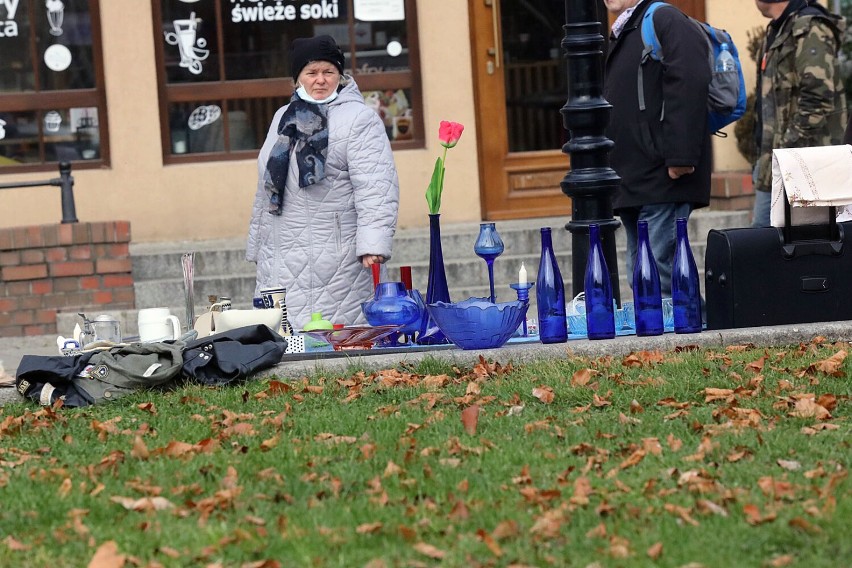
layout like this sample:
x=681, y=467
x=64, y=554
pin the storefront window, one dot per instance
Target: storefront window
x=51, y=97
x=224, y=67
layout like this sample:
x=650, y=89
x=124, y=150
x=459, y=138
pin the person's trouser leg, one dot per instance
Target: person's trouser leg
x=762, y=203
x=662, y=234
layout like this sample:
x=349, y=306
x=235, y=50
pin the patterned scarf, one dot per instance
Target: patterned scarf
x=621, y=20
x=305, y=125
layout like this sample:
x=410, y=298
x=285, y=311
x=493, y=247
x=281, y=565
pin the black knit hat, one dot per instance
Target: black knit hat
x=319, y=48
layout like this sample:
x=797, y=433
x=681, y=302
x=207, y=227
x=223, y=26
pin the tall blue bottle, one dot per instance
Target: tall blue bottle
x=686, y=291
x=550, y=295
x=600, y=313
x=647, y=299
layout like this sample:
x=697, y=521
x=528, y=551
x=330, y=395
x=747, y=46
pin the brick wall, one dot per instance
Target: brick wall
x=731, y=191
x=74, y=267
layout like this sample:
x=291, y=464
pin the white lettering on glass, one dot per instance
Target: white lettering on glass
x=52, y=121
x=260, y=11
x=191, y=48
x=57, y=57
x=55, y=15
x=9, y=28
x=11, y=8
x=202, y=116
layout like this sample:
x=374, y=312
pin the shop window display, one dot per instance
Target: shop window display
x=238, y=52
x=50, y=46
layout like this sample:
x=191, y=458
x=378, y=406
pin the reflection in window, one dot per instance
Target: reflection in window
x=395, y=111
x=241, y=49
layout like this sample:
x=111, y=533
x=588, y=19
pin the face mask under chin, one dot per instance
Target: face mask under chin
x=303, y=94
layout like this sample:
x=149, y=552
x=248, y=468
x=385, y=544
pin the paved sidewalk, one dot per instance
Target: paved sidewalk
x=13, y=349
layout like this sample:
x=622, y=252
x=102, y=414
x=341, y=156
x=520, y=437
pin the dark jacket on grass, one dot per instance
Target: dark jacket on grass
x=648, y=143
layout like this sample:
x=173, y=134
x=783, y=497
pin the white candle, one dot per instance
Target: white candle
x=522, y=275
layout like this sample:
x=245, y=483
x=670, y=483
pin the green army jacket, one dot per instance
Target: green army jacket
x=802, y=98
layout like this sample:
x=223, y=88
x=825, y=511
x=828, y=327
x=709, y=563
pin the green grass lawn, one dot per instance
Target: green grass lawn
x=734, y=457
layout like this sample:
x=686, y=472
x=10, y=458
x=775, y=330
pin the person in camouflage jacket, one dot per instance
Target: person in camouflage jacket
x=800, y=97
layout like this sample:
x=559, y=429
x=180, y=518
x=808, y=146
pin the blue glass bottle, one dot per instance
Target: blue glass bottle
x=550, y=295
x=600, y=313
x=686, y=291
x=647, y=299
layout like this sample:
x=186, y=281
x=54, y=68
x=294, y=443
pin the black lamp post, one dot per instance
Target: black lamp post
x=591, y=182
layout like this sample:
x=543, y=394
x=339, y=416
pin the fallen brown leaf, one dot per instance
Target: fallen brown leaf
x=143, y=504
x=429, y=550
x=470, y=418
x=544, y=393
x=489, y=541
x=15, y=545
x=107, y=556
x=369, y=528
x=582, y=377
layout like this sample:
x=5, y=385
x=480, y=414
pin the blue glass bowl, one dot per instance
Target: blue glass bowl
x=476, y=323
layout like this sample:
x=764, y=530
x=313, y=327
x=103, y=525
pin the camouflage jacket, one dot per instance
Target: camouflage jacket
x=802, y=101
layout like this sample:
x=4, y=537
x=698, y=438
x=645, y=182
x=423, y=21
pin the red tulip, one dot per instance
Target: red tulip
x=449, y=133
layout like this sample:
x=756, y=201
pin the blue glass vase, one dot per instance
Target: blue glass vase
x=686, y=291
x=600, y=312
x=647, y=299
x=550, y=295
x=437, y=289
x=391, y=305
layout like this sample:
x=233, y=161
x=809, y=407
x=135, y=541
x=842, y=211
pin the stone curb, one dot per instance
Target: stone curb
x=777, y=336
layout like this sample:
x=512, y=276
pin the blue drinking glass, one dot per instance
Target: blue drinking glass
x=489, y=246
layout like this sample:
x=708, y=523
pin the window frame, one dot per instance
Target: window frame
x=40, y=101
x=223, y=90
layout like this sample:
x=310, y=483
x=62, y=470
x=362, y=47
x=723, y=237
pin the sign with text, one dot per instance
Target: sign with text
x=380, y=10
x=277, y=11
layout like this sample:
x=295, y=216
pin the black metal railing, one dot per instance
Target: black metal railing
x=65, y=181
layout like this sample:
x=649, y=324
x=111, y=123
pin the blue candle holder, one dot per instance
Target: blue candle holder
x=523, y=291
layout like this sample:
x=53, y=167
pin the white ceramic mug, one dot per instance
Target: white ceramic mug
x=271, y=296
x=157, y=324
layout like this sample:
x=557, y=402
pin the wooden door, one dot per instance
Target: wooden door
x=520, y=83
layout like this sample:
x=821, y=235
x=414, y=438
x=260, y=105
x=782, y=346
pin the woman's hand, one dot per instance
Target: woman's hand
x=370, y=259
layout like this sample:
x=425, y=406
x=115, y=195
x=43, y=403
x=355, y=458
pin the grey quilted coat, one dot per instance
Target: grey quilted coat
x=312, y=249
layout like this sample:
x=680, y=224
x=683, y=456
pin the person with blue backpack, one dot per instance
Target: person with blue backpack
x=800, y=97
x=659, y=124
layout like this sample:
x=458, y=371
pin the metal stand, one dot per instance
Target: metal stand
x=591, y=182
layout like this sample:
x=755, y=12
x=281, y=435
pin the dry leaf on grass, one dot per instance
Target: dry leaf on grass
x=143, y=504
x=544, y=393
x=107, y=556
x=429, y=550
x=470, y=418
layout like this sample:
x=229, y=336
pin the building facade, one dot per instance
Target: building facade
x=162, y=105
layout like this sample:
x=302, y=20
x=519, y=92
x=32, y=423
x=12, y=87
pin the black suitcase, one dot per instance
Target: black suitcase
x=774, y=276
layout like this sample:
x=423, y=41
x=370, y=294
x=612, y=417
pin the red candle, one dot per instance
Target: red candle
x=405, y=276
x=376, y=268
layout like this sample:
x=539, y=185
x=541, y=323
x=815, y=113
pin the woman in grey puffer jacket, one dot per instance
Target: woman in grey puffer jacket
x=327, y=193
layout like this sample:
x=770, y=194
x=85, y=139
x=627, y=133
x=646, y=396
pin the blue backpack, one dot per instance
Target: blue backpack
x=726, y=99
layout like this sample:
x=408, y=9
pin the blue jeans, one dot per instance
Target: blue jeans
x=662, y=232
x=762, y=203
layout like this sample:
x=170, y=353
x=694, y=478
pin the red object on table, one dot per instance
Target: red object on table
x=405, y=276
x=338, y=326
x=376, y=268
